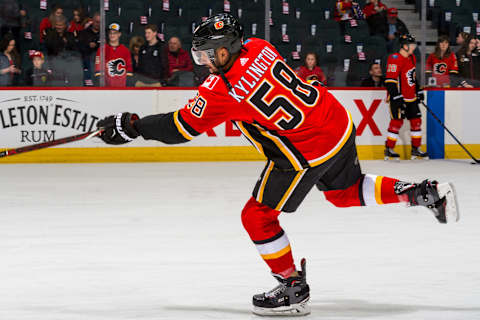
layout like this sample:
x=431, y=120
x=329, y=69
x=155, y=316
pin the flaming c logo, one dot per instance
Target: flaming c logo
x=218, y=25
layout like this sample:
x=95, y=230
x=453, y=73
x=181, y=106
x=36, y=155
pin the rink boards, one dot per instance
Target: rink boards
x=32, y=116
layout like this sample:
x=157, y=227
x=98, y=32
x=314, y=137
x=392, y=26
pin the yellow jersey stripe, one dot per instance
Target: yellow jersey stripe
x=290, y=156
x=391, y=80
x=264, y=182
x=277, y=254
x=257, y=145
x=378, y=189
x=340, y=144
x=410, y=100
x=180, y=128
x=290, y=189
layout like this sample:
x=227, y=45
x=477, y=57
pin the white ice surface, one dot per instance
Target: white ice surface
x=165, y=241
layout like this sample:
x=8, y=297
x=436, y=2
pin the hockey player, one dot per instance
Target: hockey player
x=118, y=60
x=442, y=63
x=306, y=135
x=404, y=94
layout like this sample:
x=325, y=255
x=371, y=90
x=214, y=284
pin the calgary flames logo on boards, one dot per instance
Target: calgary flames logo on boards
x=116, y=67
x=411, y=77
x=440, y=68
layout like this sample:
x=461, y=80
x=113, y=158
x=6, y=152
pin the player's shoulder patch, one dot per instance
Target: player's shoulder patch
x=394, y=56
x=210, y=82
x=247, y=41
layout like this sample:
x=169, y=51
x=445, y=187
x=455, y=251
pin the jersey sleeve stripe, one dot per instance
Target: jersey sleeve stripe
x=340, y=144
x=183, y=127
x=391, y=81
x=453, y=71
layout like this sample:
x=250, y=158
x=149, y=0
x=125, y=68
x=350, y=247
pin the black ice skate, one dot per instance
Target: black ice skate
x=417, y=153
x=438, y=197
x=289, y=298
x=390, y=154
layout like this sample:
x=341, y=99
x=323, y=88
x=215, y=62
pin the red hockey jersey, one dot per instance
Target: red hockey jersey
x=401, y=71
x=118, y=65
x=293, y=123
x=440, y=69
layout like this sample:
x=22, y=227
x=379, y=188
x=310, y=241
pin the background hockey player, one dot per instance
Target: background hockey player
x=306, y=135
x=118, y=60
x=404, y=94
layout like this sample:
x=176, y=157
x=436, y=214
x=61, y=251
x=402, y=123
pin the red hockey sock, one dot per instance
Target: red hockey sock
x=393, y=129
x=261, y=223
x=416, y=132
x=368, y=190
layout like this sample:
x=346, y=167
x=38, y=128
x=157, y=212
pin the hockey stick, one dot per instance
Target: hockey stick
x=446, y=129
x=33, y=147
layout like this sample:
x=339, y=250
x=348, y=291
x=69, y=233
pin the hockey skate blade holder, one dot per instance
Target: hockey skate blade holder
x=289, y=298
x=447, y=191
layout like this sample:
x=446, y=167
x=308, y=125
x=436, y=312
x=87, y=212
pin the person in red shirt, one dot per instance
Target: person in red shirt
x=307, y=136
x=118, y=61
x=178, y=59
x=79, y=22
x=309, y=71
x=404, y=94
x=441, y=63
x=374, y=7
x=47, y=23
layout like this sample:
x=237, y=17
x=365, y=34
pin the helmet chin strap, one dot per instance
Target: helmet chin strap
x=222, y=73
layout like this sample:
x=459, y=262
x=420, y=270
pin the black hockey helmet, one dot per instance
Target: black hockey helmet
x=407, y=39
x=220, y=30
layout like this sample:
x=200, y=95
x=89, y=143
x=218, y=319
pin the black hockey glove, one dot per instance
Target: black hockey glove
x=421, y=95
x=118, y=129
x=397, y=102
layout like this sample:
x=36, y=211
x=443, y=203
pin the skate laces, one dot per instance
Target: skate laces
x=278, y=290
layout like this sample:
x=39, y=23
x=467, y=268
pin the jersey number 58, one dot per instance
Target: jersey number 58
x=291, y=116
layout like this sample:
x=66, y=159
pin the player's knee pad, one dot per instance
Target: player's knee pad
x=260, y=221
x=395, y=125
x=416, y=124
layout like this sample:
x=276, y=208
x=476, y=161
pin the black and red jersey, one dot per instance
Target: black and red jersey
x=293, y=123
x=118, y=65
x=401, y=71
x=441, y=69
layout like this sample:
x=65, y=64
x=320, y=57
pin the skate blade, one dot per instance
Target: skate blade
x=396, y=159
x=419, y=158
x=447, y=190
x=294, y=310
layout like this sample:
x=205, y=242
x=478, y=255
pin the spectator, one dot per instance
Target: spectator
x=468, y=58
x=59, y=39
x=136, y=43
x=10, y=19
x=79, y=22
x=346, y=10
x=376, y=78
x=310, y=71
x=48, y=22
x=88, y=43
x=38, y=75
x=376, y=15
x=461, y=38
x=394, y=28
x=9, y=61
x=152, y=62
x=441, y=64
x=25, y=20
x=178, y=59
x=118, y=61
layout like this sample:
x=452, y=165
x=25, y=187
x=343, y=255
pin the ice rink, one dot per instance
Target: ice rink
x=165, y=241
